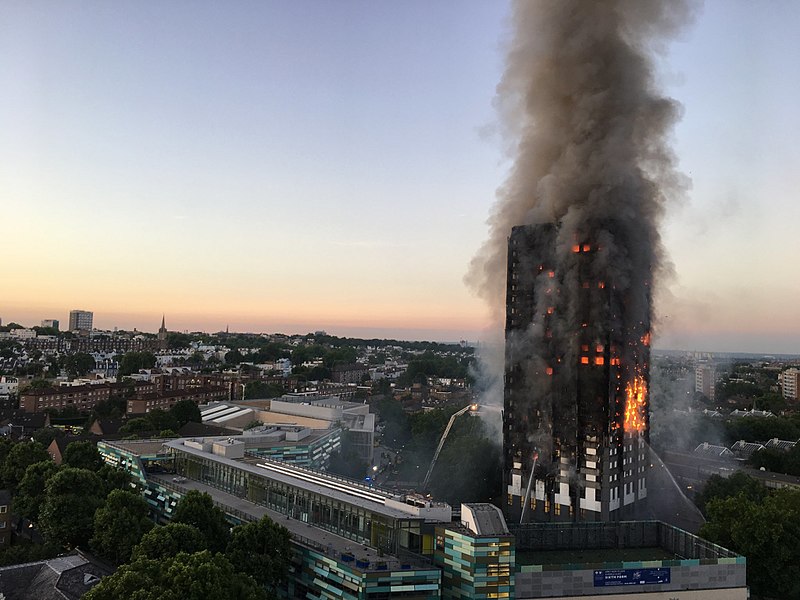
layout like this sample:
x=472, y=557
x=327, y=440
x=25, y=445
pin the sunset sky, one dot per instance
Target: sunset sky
x=294, y=166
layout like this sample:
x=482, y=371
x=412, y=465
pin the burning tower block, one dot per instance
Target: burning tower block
x=575, y=421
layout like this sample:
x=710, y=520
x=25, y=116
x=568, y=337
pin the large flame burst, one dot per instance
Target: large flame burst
x=635, y=402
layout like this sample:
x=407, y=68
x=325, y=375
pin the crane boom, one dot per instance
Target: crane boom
x=441, y=442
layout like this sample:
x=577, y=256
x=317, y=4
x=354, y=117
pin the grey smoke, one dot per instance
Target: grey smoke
x=587, y=129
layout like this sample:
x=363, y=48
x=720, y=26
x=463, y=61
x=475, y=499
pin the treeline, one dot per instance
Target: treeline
x=762, y=525
x=196, y=555
x=433, y=365
x=86, y=503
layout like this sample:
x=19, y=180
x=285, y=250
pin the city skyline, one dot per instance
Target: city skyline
x=273, y=167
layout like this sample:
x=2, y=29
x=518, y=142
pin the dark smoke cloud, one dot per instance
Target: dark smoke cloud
x=588, y=133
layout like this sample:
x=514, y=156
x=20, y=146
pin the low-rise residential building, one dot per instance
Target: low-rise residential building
x=351, y=373
x=83, y=398
x=5, y=519
x=21, y=424
x=144, y=402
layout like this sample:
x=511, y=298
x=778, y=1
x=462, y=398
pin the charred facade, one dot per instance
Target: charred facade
x=575, y=418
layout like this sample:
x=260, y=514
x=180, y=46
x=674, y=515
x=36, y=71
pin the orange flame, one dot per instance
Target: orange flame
x=635, y=402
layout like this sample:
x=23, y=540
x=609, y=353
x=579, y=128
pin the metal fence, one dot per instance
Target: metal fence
x=622, y=534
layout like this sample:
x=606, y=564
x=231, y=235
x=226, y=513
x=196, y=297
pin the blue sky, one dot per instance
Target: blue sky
x=330, y=165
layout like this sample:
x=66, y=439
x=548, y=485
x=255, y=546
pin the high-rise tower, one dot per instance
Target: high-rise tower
x=575, y=421
x=80, y=320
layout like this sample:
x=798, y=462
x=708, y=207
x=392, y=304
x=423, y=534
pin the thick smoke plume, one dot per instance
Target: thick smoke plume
x=588, y=134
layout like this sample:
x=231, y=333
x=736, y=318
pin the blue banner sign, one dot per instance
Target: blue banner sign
x=613, y=577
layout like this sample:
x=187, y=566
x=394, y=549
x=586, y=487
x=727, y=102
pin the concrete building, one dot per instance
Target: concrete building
x=8, y=389
x=705, y=380
x=476, y=555
x=352, y=541
x=790, y=383
x=576, y=414
x=641, y=560
x=321, y=412
x=52, y=323
x=23, y=334
x=5, y=519
x=145, y=401
x=83, y=398
x=80, y=320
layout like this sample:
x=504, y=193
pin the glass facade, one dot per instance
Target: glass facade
x=314, y=455
x=321, y=577
x=348, y=520
x=473, y=566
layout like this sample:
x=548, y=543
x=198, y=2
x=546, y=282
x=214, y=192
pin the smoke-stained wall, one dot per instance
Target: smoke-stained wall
x=587, y=129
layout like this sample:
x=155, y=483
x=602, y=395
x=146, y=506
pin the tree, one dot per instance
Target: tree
x=71, y=498
x=136, y=425
x=198, y=510
x=46, y=435
x=119, y=525
x=131, y=362
x=260, y=389
x=83, y=455
x=261, y=550
x=114, y=479
x=397, y=428
x=161, y=419
x=234, y=357
x=39, y=384
x=6, y=444
x=177, y=340
x=19, y=458
x=720, y=488
x=766, y=532
x=78, y=364
x=196, y=576
x=31, y=490
x=167, y=541
x=185, y=411
x=468, y=470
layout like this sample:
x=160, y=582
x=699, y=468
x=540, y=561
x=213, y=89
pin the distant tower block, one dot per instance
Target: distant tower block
x=80, y=320
x=576, y=419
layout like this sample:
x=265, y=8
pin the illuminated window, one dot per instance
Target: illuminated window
x=599, y=348
x=601, y=284
x=549, y=370
x=551, y=274
x=585, y=347
x=550, y=310
x=576, y=248
x=557, y=509
x=547, y=506
x=584, y=360
x=599, y=360
x=533, y=503
x=586, y=247
x=510, y=500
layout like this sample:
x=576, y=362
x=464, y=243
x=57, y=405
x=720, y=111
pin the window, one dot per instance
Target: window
x=4, y=509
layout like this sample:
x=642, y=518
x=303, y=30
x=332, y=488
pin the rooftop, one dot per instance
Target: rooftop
x=338, y=488
x=323, y=541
